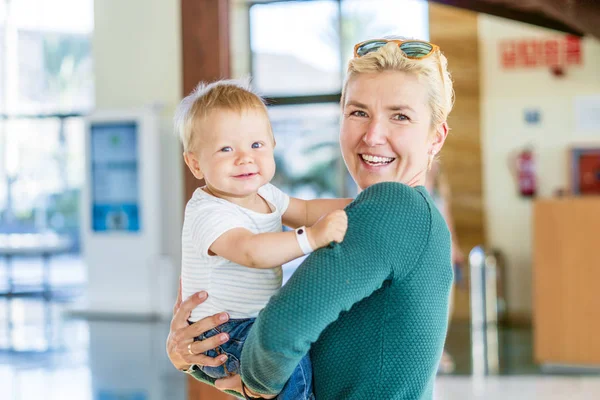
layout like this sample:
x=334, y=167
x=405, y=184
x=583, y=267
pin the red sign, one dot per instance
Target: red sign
x=531, y=53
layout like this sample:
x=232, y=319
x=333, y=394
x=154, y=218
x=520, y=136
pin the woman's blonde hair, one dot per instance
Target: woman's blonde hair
x=433, y=71
x=228, y=94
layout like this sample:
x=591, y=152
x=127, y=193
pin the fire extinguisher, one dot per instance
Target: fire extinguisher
x=525, y=172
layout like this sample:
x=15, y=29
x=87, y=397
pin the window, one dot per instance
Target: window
x=46, y=86
x=295, y=48
x=298, y=53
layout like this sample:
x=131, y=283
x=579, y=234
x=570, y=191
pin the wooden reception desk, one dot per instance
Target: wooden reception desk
x=566, y=281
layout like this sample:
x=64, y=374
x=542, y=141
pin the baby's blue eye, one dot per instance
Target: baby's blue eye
x=257, y=145
x=226, y=149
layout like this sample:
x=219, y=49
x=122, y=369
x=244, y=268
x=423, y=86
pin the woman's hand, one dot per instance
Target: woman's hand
x=234, y=382
x=181, y=348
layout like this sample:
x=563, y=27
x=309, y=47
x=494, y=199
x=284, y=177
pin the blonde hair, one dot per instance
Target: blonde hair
x=228, y=94
x=391, y=58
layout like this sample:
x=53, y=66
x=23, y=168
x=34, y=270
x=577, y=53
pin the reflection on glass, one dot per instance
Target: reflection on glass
x=309, y=162
x=295, y=48
x=308, y=157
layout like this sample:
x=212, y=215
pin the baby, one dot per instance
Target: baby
x=233, y=245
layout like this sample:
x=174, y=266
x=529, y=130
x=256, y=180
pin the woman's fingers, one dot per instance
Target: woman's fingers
x=185, y=309
x=201, y=346
x=233, y=382
x=206, y=361
x=206, y=324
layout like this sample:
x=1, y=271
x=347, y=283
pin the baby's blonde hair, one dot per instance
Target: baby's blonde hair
x=228, y=94
x=391, y=58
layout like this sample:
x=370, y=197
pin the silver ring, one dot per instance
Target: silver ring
x=190, y=349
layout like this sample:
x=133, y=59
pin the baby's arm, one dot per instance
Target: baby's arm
x=270, y=250
x=307, y=212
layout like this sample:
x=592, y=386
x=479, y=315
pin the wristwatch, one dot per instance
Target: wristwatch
x=246, y=395
x=302, y=238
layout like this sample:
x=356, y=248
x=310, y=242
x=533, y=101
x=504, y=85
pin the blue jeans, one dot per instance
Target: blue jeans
x=298, y=387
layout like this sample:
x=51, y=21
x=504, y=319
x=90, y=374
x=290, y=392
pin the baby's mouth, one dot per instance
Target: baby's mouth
x=248, y=175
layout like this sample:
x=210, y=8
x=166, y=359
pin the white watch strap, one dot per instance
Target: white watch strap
x=302, y=237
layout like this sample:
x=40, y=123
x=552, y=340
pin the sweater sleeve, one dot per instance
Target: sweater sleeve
x=332, y=279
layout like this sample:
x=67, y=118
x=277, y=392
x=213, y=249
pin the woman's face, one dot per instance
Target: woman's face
x=386, y=133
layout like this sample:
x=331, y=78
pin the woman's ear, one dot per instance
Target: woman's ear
x=192, y=162
x=439, y=137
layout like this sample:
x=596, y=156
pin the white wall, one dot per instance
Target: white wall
x=137, y=52
x=505, y=96
x=137, y=63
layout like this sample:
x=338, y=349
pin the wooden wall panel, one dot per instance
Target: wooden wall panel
x=455, y=31
x=566, y=272
x=205, y=51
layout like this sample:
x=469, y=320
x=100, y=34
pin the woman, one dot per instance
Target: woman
x=373, y=309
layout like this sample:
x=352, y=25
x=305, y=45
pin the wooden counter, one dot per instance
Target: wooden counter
x=566, y=281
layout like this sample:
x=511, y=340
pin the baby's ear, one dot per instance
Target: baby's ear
x=192, y=162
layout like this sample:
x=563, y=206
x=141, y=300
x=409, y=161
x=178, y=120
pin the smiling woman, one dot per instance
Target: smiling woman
x=387, y=138
x=388, y=282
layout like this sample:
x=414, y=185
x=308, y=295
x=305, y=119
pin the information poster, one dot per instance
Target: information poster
x=115, y=180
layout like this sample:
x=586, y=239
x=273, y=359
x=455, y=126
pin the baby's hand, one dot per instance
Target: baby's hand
x=331, y=228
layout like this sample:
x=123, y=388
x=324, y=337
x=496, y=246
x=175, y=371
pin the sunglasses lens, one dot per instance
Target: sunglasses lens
x=416, y=49
x=369, y=47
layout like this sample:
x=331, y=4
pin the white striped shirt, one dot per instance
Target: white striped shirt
x=238, y=290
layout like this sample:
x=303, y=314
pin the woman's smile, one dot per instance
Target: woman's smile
x=375, y=160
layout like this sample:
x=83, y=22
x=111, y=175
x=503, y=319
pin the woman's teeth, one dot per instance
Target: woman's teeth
x=376, y=160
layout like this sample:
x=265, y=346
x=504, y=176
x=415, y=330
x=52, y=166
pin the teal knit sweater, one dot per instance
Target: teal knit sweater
x=372, y=310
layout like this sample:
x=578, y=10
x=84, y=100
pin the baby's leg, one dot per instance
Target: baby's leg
x=237, y=329
x=300, y=384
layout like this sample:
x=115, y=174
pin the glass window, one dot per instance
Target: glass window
x=45, y=70
x=307, y=154
x=55, y=71
x=295, y=48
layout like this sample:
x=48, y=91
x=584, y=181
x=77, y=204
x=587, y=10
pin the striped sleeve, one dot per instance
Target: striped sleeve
x=275, y=196
x=209, y=222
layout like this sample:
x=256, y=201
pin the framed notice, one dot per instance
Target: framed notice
x=115, y=176
x=585, y=171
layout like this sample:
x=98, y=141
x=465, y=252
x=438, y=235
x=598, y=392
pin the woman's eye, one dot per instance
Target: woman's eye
x=401, y=117
x=226, y=149
x=257, y=145
x=358, y=113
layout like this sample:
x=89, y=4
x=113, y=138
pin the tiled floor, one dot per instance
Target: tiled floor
x=533, y=387
x=46, y=355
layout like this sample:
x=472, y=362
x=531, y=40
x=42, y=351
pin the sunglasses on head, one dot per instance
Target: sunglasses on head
x=413, y=49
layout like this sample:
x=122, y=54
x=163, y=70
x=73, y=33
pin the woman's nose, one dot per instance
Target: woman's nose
x=375, y=134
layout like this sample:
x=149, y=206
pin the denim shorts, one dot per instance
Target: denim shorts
x=298, y=387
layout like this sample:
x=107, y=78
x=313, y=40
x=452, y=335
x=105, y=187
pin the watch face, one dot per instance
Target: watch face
x=300, y=231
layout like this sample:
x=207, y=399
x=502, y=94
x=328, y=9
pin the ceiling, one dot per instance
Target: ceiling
x=577, y=17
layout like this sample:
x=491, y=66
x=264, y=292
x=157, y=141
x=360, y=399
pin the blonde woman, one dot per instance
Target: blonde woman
x=372, y=310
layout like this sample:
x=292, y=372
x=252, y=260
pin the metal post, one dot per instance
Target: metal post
x=484, y=312
x=476, y=262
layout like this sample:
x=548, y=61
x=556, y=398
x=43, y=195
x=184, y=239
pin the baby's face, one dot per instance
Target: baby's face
x=235, y=152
